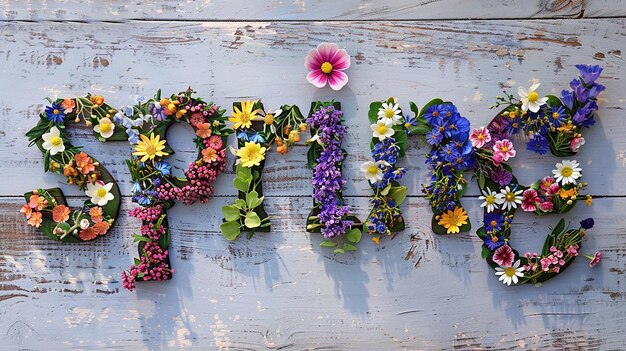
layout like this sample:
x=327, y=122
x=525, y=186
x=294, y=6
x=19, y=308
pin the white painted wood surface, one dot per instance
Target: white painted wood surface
x=280, y=290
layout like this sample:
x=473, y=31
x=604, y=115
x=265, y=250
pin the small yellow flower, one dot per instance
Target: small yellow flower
x=251, y=154
x=376, y=240
x=268, y=119
x=589, y=200
x=147, y=149
x=453, y=220
x=243, y=118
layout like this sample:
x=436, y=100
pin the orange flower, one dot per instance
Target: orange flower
x=204, y=130
x=209, y=155
x=101, y=227
x=97, y=100
x=35, y=219
x=61, y=213
x=26, y=211
x=69, y=171
x=37, y=202
x=88, y=234
x=84, y=163
x=96, y=214
x=282, y=149
x=68, y=105
x=169, y=106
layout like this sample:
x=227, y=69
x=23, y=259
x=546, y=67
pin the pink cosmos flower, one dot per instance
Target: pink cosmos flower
x=545, y=183
x=504, y=148
x=503, y=256
x=529, y=200
x=326, y=65
x=595, y=260
x=479, y=137
x=576, y=143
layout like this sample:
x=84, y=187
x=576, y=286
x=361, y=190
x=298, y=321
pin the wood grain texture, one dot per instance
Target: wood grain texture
x=280, y=291
x=242, y=10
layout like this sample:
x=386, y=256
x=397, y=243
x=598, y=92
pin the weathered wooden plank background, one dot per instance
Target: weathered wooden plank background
x=280, y=290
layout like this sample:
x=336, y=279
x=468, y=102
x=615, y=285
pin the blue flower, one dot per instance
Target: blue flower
x=409, y=121
x=55, y=113
x=493, y=221
x=458, y=128
x=136, y=188
x=539, y=144
x=163, y=167
x=434, y=114
x=567, y=97
x=257, y=138
x=587, y=223
x=595, y=90
x=133, y=135
x=589, y=73
x=449, y=111
x=514, y=126
x=243, y=136
x=449, y=152
x=493, y=242
x=556, y=118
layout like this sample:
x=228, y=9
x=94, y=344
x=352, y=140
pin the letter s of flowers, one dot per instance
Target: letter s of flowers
x=47, y=208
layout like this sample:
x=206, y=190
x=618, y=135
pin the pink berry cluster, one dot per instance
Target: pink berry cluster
x=198, y=113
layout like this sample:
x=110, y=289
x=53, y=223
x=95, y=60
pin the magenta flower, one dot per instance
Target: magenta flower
x=479, y=137
x=503, y=256
x=529, y=200
x=326, y=65
x=595, y=259
x=504, y=148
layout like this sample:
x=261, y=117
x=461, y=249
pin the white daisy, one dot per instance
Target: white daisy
x=382, y=130
x=491, y=199
x=390, y=113
x=509, y=274
x=105, y=128
x=53, y=142
x=511, y=198
x=372, y=171
x=99, y=193
x=567, y=172
x=530, y=99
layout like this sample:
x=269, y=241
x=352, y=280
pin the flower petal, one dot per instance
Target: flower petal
x=327, y=51
x=313, y=60
x=337, y=80
x=341, y=60
x=317, y=78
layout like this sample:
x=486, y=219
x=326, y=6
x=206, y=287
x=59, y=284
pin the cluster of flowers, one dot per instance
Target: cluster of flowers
x=382, y=173
x=154, y=187
x=451, y=154
x=95, y=217
x=327, y=180
x=551, y=122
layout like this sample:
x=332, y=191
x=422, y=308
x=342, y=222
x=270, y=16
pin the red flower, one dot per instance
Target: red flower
x=503, y=256
x=596, y=259
x=529, y=200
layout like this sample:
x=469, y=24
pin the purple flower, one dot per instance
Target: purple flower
x=501, y=176
x=567, y=97
x=587, y=223
x=589, y=73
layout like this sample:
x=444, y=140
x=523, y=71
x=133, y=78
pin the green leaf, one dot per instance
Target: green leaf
x=252, y=220
x=414, y=108
x=46, y=161
x=401, y=139
x=435, y=101
x=240, y=203
x=485, y=252
x=231, y=212
x=241, y=184
x=311, y=156
x=253, y=200
x=349, y=247
x=164, y=240
x=559, y=227
x=385, y=191
x=354, y=235
x=139, y=238
x=328, y=243
x=245, y=173
x=338, y=251
x=230, y=230
x=398, y=194
x=372, y=114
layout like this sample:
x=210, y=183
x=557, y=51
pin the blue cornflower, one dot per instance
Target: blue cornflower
x=55, y=113
x=380, y=227
x=458, y=128
x=434, y=137
x=434, y=114
x=409, y=121
x=449, y=152
x=449, y=111
x=493, y=221
x=514, y=126
x=589, y=73
x=539, y=144
x=556, y=118
x=493, y=242
x=163, y=167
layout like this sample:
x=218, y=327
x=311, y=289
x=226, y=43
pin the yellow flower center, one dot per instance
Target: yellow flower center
x=533, y=96
x=101, y=192
x=105, y=127
x=245, y=117
x=510, y=197
x=268, y=119
x=372, y=170
x=494, y=223
x=56, y=141
x=389, y=113
x=480, y=137
x=56, y=112
x=382, y=129
x=327, y=67
x=509, y=272
x=494, y=239
x=567, y=171
x=490, y=199
x=151, y=150
x=555, y=115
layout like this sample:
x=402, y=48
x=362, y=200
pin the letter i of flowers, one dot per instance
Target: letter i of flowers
x=256, y=131
x=389, y=127
x=451, y=155
x=329, y=215
x=47, y=208
x=154, y=187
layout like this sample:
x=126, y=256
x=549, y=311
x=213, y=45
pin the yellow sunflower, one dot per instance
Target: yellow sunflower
x=251, y=154
x=453, y=220
x=243, y=118
x=147, y=149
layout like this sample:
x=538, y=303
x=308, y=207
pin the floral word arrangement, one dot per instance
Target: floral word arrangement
x=256, y=131
x=330, y=216
x=47, y=209
x=451, y=155
x=554, y=124
x=154, y=188
x=389, y=141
